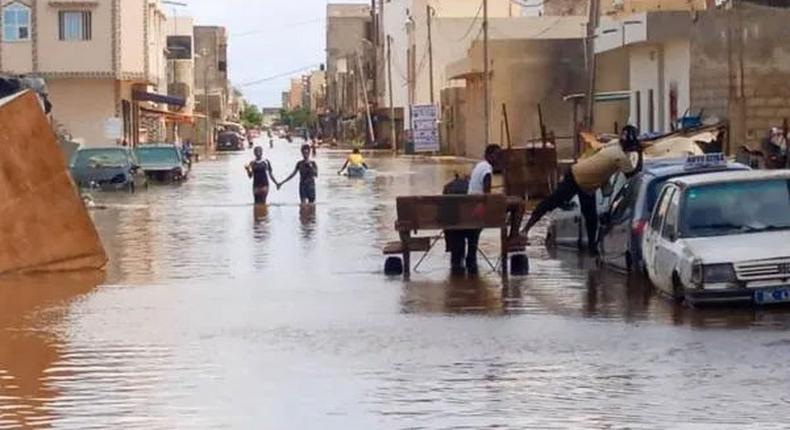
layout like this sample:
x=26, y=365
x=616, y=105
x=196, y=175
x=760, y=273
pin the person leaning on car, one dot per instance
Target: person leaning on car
x=589, y=174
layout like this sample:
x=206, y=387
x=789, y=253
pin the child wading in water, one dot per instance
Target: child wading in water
x=260, y=171
x=308, y=171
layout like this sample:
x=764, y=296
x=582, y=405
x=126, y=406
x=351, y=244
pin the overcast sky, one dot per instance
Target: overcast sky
x=267, y=38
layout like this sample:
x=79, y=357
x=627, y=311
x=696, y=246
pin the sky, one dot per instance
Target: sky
x=267, y=38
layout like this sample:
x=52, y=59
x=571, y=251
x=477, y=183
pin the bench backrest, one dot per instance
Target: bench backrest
x=451, y=212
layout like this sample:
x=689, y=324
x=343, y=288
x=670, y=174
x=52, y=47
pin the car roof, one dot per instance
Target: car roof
x=731, y=176
x=676, y=167
x=156, y=145
x=104, y=148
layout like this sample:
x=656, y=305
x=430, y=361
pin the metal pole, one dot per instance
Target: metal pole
x=429, y=11
x=486, y=83
x=592, y=23
x=367, y=102
x=393, y=131
x=208, y=108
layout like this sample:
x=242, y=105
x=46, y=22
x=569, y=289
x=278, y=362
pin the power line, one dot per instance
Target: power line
x=291, y=25
x=278, y=76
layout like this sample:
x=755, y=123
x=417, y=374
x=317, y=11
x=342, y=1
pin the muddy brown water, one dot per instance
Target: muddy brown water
x=215, y=315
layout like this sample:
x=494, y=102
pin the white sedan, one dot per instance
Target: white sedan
x=722, y=237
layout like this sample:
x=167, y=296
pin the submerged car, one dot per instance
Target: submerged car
x=163, y=163
x=230, y=141
x=113, y=168
x=722, y=237
x=624, y=222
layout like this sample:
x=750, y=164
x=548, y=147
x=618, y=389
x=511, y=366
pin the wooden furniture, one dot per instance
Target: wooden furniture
x=447, y=212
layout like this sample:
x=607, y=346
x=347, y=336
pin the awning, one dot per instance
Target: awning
x=143, y=96
x=173, y=117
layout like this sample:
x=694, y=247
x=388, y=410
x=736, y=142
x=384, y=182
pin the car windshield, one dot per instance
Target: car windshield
x=736, y=207
x=157, y=155
x=96, y=158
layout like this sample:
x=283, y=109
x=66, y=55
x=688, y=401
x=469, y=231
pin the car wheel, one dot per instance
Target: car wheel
x=678, y=293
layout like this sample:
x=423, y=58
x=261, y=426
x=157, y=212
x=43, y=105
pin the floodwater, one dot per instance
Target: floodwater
x=217, y=315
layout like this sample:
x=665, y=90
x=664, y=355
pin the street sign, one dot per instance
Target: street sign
x=113, y=128
x=425, y=128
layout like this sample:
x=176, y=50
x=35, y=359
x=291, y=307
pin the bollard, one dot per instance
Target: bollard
x=519, y=265
x=393, y=266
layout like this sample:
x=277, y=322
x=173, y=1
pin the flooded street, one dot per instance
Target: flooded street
x=214, y=314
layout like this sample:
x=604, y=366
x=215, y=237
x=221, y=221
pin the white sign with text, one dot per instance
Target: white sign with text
x=425, y=128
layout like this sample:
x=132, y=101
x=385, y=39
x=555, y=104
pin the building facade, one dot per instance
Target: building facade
x=211, y=80
x=96, y=56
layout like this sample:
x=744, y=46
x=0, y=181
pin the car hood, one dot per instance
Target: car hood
x=159, y=167
x=85, y=175
x=740, y=247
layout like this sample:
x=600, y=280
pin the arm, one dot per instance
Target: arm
x=343, y=168
x=271, y=174
x=315, y=169
x=487, y=184
x=296, y=170
x=248, y=168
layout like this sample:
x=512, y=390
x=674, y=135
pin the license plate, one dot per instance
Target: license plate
x=772, y=295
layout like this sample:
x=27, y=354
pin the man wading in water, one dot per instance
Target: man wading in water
x=260, y=171
x=308, y=171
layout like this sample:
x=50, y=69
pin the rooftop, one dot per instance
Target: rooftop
x=347, y=10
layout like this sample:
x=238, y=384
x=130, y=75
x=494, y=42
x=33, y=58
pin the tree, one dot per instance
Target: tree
x=251, y=116
x=296, y=118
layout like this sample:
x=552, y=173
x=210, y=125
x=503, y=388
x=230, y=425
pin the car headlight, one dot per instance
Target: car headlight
x=718, y=273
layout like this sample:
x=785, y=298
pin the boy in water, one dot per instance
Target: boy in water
x=355, y=160
x=308, y=171
x=260, y=171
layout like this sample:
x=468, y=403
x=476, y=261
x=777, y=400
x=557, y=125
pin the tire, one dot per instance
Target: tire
x=678, y=294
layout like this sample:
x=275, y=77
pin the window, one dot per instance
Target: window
x=669, y=231
x=16, y=22
x=179, y=47
x=662, y=208
x=74, y=25
x=622, y=208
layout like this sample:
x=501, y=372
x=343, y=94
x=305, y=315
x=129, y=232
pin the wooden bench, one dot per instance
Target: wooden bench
x=448, y=212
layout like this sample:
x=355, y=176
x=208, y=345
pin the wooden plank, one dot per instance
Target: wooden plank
x=44, y=225
x=417, y=244
x=451, y=212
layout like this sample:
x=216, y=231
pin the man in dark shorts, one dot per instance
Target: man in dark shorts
x=308, y=171
x=260, y=171
x=457, y=240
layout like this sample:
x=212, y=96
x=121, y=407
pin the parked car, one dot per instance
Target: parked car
x=230, y=141
x=722, y=237
x=114, y=168
x=623, y=224
x=163, y=162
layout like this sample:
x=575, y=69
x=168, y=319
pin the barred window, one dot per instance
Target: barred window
x=75, y=25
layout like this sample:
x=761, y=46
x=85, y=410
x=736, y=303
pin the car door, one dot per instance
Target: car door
x=652, y=239
x=616, y=231
x=666, y=253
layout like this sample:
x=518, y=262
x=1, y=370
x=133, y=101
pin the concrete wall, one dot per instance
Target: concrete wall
x=644, y=62
x=133, y=36
x=16, y=57
x=526, y=73
x=566, y=7
x=632, y=6
x=157, y=43
x=613, y=74
x=740, y=69
x=677, y=80
x=91, y=56
x=82, y=105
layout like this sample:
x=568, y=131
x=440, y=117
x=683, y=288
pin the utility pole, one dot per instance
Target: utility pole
x=486, y=82
x=367, y=101
x=393, y=131
x=592, y=63
x=429, y=11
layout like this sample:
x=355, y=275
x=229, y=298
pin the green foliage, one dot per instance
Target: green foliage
x=251, y=116
x=301, y=117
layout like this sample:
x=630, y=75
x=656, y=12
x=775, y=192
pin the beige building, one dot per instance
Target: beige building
x=212, y=87
x=317, y=86
x=95, y=57
x=349, y=58
x=296, y=95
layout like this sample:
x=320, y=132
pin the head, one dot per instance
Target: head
x=258, y=151
x=355, y=151
x=493, y=155
x=629, y=138
x=306, y=151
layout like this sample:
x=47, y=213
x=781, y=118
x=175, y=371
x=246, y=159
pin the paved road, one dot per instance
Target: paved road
x=215, y=315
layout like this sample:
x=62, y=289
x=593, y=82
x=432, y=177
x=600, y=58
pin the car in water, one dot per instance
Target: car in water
x=162, y=163
x=230, y=141
x=109, y=169
x=624, y=222
x=722, y=237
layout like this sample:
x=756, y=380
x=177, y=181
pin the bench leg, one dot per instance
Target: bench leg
x=505, y=260
x=405, y=238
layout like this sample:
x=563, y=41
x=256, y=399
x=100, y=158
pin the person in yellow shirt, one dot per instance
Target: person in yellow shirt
x=589, y=174
x=355, y=162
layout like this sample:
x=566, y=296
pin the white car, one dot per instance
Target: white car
x=722, y=237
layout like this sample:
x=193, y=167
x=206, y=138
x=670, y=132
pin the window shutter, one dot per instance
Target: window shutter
x=61, y=26
x=86, y=23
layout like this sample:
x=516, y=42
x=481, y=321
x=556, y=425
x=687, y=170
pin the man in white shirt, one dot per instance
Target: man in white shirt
x=589, y=174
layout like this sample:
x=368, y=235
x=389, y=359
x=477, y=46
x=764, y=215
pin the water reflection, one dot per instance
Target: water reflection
x=31, y=341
